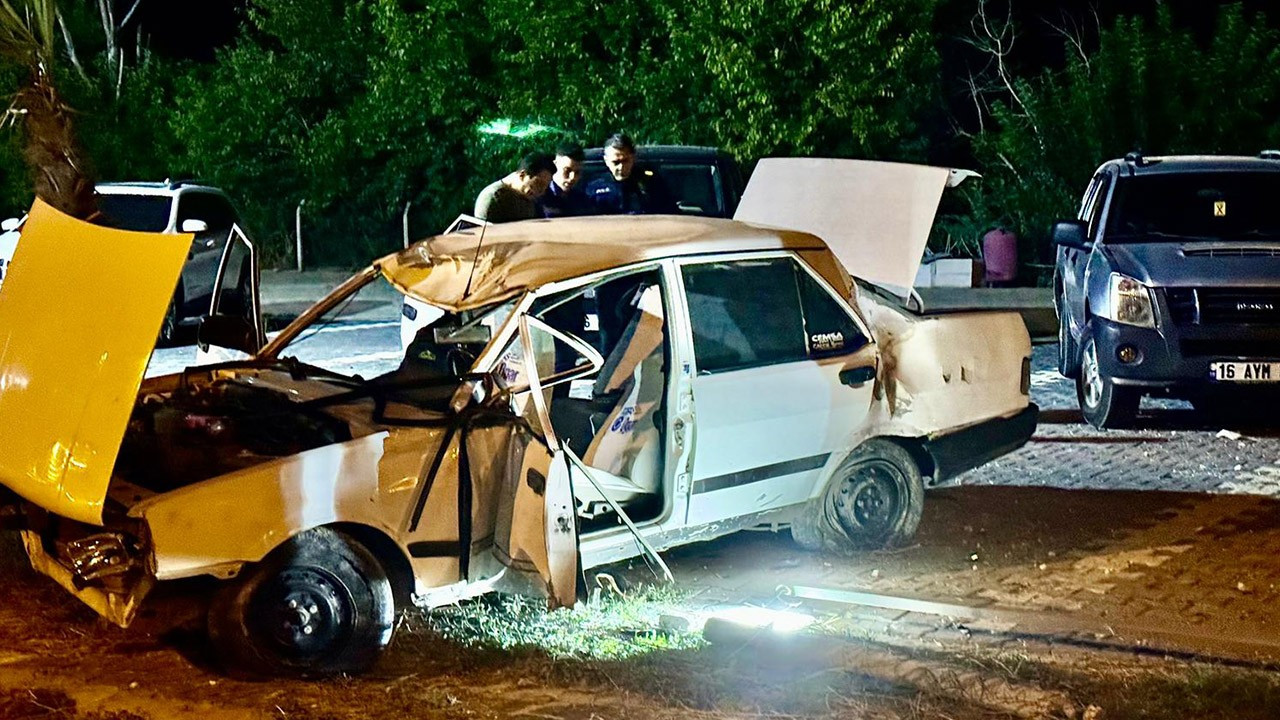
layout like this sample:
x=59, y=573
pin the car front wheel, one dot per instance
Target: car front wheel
x=872, y=501
x=1103, y=403
x=320, y=605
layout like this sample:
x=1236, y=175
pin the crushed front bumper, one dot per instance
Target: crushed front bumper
x=102, y=570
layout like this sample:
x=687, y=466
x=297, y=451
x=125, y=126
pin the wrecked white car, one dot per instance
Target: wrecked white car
x=595, y=389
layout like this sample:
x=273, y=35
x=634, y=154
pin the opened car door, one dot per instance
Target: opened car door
x=234, y=324
x=537, y=533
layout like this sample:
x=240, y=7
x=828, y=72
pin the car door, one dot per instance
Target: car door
x=217, y=216
x=783, y=378
x=233, y=328
x=1073, y=261
x=536, y=530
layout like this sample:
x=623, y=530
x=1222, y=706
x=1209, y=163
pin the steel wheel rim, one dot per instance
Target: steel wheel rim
x=1092, y=376
x=870, y=499
x=304, y=612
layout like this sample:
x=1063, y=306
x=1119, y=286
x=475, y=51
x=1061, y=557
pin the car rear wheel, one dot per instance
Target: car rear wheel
x=1103, y=403
x=872, y=501
x=320, y=605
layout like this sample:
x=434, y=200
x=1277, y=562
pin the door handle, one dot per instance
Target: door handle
x=857, y=376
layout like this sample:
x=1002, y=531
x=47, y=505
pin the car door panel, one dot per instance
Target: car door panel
x=765, y=431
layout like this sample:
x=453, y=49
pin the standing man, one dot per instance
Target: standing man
x=512, y=198
x=565, y=198
x=626, y=190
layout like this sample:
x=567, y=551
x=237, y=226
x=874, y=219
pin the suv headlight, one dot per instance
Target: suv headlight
x=1129, y=302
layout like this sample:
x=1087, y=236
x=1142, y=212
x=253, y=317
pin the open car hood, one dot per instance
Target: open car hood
x=80, y=310
x=875, y=216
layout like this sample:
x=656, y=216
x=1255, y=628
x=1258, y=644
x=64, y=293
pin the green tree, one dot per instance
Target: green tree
x=756, y=77
x=1146, y=86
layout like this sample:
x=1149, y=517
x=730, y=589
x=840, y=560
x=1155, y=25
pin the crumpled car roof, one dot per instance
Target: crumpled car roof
x=480, y=266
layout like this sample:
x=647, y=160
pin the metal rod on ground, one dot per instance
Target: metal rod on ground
x=404, y=221
x=297, y=229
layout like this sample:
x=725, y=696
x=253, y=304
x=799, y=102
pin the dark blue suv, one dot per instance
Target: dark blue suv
x=1169, y=283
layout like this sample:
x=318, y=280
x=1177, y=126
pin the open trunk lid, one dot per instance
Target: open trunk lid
x=875, y=216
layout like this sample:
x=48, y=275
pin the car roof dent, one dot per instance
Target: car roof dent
x=81, y=310
x=875, y=216
x=476, y=267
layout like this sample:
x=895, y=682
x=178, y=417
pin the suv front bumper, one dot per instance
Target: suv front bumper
x=1176, y=357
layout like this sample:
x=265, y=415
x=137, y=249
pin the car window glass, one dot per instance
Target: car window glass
x=744, y=313
x=1099, y=204
x=692, y=186
x=829, y=329
x=1086, y=203
x=211, y=208
x=1209, y=205
x=140, y=213
x=602, y=315
x=234, y=296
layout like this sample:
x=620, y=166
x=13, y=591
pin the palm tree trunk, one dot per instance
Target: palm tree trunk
x=59, y=165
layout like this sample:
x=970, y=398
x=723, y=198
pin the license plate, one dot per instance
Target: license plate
x=1245, y=372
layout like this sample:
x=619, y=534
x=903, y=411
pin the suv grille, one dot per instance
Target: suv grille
x=1261, y=348
x=1234, y=251
x=1224, y=306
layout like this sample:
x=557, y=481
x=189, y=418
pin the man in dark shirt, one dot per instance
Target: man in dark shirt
x=512, y=198
x=628, y=190
x=565, y=197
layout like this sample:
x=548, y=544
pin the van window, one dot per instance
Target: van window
x=140, y=213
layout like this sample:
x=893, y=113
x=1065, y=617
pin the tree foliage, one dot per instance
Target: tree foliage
x=1147, y=86
x=363, y=108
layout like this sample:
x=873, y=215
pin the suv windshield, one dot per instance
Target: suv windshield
x=1204, y=205
x=142, y=213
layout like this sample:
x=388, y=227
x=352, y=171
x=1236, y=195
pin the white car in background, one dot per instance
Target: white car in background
x=169, y=207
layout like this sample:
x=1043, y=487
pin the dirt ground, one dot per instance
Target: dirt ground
x=1153, y=574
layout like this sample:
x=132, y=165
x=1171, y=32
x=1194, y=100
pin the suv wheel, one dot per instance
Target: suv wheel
x=1102, y=403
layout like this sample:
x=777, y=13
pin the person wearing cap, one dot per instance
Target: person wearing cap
x=514, y=196
x=628, y=189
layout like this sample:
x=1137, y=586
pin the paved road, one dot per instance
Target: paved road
x=1175, y=449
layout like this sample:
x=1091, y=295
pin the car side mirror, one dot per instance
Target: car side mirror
x=227, y=331
x=192, y=225
x=1070, y=234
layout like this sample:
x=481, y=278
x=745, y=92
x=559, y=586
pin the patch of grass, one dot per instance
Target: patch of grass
x=615, y=628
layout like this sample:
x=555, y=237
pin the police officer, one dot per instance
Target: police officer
x=627, y=190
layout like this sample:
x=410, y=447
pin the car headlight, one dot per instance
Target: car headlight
x=1129, y=302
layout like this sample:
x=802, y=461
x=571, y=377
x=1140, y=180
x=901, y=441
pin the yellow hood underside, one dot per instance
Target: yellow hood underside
x=79, y=313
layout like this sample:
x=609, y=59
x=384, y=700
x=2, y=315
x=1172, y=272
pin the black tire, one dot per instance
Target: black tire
x=1068, y=348
x=872, y=501
x=322, y=580
x=1103, y=403
x=169, y=326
